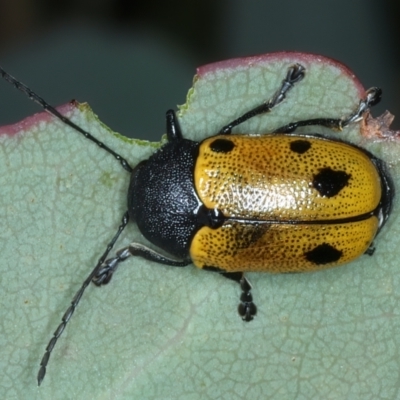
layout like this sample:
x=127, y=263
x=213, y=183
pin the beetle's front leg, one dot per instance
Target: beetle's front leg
x=107, y=269
x=295, y=74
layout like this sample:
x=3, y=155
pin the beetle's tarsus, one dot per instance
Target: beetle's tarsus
x=295, y=74
x=107, y=269
x=247, y=309
x=373, y=96
x=370, y=251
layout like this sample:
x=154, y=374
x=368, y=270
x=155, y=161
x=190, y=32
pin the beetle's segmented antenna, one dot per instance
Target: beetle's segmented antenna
x=53, y=111
x=75, y=301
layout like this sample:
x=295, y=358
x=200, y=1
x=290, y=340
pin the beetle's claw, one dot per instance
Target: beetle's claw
x=247, y=310
x=296, y=73
x=105, y=272
x=374, y=96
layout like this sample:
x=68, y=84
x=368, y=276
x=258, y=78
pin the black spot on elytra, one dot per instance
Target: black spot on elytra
x=300, y=146
x=323, y=254
x=247, y=235
x=222, y=146
x=329, y=182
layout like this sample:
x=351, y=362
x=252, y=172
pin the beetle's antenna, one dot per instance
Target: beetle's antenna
x=75, y=301
x=53, y=111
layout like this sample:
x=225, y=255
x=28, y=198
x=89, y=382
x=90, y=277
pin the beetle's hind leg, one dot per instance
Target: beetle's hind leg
x=247, y=309
x=295, y=74
x=107, y=269
x=373, y=96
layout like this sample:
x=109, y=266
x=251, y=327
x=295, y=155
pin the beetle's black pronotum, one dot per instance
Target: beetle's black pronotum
x=282, y=202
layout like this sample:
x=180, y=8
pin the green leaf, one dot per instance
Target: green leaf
x=157, y=332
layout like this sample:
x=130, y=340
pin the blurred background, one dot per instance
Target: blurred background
x=133, y=60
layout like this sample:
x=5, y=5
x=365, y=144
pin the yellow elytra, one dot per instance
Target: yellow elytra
x=284, y=197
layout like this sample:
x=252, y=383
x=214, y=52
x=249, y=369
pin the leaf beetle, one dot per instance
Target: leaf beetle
x=279, y=202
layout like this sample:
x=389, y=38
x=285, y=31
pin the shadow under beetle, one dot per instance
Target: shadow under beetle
x=281, y=202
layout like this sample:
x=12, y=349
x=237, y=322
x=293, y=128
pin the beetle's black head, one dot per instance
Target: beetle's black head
x=162, y=199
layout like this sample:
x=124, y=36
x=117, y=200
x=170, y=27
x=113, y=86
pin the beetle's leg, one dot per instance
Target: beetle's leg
x=371, y=250
x=247, y=309
x=105, y=272
x=373, y=97
x=75, y=301
x=295, y=74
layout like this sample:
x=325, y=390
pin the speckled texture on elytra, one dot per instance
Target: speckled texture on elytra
x=264, y=179
x=158, y=332
x=276, y=248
